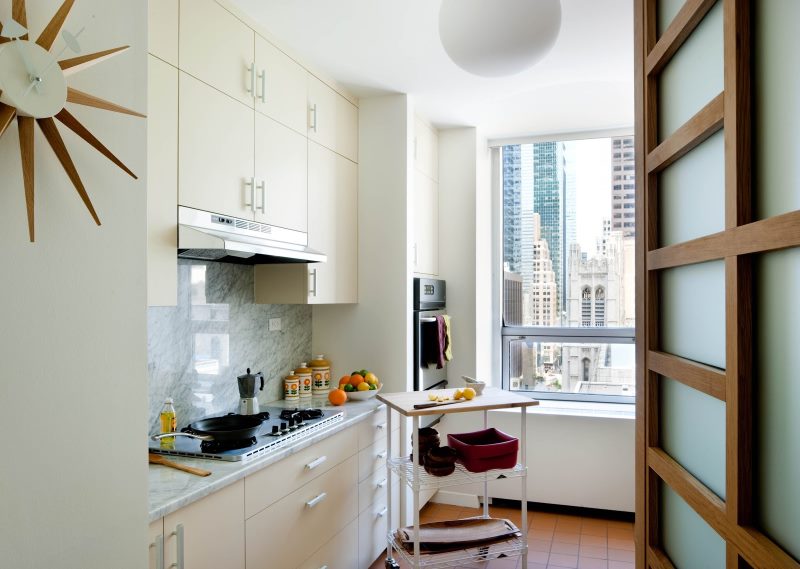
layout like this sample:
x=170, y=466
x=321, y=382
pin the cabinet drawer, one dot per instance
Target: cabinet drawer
x=339, y=553
x=269, y=485
x=374, y=456
x=373, y=428
x=373, y=488
x=283, y=534
x=372, y=529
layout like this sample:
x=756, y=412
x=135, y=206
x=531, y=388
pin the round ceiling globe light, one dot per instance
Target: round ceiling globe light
x=493, y=38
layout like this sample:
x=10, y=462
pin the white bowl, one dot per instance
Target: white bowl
x=474, y=384
x=362, y=395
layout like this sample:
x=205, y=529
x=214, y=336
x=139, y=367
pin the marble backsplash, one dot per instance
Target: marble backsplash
x=196, y=350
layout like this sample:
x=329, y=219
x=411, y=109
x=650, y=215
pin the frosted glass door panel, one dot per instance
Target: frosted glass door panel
x=777, y=114
x=693, y=312
x=667, y=10
x=694, y=76
x=697, y=179
x=688, y=540
x=777, y=385
x=693, y=432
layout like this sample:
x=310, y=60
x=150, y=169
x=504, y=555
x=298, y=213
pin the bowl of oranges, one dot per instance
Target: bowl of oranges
x=360, y=385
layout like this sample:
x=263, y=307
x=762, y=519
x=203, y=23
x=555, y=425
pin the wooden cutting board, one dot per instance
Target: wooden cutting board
x=458, y=533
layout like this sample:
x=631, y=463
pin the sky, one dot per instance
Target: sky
x=591, y=159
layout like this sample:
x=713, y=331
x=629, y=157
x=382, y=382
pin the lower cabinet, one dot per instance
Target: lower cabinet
x=207, y=534
x=339, y=553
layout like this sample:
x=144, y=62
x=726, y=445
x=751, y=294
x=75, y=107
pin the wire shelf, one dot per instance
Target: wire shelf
x=512, y=547
x=404, y=468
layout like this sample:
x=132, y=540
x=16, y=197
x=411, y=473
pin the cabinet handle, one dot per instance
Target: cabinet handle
x=262, y=186
x=382, y=483
x=415, y=254
x=313, y=111
x=313, y=290
x=382, y=454
x=381, y=513
x=252, y=203
x=415, y=148
x=316, y=462
x=252, y=71
x=178, y=533
x=314, y=501
x=324, y=567
x=262, y=76
x=159, y=545
x=380, y=426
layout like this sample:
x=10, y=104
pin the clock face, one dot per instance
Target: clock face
x=40, y=93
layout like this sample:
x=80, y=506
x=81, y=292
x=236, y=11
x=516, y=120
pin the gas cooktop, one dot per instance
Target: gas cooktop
x=280, y=427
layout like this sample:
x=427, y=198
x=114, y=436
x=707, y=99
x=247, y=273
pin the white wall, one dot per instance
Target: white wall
x=376, y=333
x=73, y=378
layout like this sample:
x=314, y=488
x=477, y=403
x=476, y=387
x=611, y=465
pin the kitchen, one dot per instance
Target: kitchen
x=273, y=117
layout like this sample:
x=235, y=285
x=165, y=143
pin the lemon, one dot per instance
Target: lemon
x=432, y=397
x=371, y=378
x=363, y=386
x=458, y=394
x=468, y=393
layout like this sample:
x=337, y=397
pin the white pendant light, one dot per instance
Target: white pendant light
x=493, y=38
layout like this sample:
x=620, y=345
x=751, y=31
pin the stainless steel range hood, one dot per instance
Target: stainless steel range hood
x=207, y=236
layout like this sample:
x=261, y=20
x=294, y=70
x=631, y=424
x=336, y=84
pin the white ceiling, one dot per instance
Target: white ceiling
x=392, y=46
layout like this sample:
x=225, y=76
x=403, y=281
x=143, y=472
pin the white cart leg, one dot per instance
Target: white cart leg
x=523, y=441
x=486, y=475
x=389, y=526
x=415, y=483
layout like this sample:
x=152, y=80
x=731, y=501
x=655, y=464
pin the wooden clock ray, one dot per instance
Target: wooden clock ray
x=34, y=90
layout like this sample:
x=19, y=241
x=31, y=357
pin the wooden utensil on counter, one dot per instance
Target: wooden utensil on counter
x=158, y=459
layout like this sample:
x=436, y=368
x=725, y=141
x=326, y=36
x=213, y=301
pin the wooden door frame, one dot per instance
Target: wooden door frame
x=736, y=245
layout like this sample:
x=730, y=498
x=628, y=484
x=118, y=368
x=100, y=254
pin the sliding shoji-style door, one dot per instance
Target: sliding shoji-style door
x=718, y=283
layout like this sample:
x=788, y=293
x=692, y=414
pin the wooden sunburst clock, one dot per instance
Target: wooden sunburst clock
x=33, y=89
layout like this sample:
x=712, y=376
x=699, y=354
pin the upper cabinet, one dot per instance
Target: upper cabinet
x=218, y=48
x=163, y=30
x=425, y=252
x=281, y=86
x=426, y=150
x=332, y=119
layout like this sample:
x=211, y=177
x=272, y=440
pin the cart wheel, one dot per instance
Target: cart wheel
x=391, y=564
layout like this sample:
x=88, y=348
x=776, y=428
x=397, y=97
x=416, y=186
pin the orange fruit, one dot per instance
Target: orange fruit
x=363, y=386
x=355, y=379
x=337, y=397
x=344, y=379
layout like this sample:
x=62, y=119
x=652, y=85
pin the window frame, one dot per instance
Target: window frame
x=556, y=334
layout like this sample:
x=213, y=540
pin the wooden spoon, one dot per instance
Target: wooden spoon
x=158, y=459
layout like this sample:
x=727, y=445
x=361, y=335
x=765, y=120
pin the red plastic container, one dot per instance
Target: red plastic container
x=484, y=450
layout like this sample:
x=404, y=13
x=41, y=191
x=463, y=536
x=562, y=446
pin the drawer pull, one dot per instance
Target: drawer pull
x=382, y=454
x=382, y=483
x=314, y=501
x=316, y=462
x=382, y=513
x=380, y=426
x=324, y=567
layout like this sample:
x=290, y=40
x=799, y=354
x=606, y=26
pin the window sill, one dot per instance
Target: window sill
x=623, y=411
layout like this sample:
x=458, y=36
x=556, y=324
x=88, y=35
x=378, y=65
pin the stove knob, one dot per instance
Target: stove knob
x=283, y=427
x=275, y=430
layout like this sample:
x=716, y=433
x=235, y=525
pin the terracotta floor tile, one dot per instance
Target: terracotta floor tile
x=621, y=544
x=594, y=529
x=538, y=556
x=537, y=565
x=570, y=525
x=539, y=545
x=565, y=537
x=587, y=539
x=592, y=563
x=564, y=548
x=539, y=523
x=541, y=534
x=503, y=563
x=620, y=565
x=621, y=555
x=596, y=551
x=615, y=532
x=559, y=560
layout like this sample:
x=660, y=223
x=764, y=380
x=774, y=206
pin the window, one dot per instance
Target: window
x=568, y=313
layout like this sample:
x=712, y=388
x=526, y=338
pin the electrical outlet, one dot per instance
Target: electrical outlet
x=274, y=324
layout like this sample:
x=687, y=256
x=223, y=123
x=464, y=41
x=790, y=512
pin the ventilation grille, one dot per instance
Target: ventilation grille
x=253, y=226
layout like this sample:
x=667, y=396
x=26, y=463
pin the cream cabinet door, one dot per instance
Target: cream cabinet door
x=333, y=120
x=162, y=183
x=426, y=150
x=217, y=48
x=155, y=539
x=281, y=86
x=211, y=531
x=426, y=225
x=281, y=170
x=338, y=553
x=162, y=24
x=333, y=226
x=216, y=151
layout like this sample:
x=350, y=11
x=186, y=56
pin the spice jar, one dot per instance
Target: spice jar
x=320, y=375
x=304, y=373
x=291, y=386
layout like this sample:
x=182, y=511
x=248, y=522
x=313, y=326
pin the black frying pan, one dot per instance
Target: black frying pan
x=227, y=428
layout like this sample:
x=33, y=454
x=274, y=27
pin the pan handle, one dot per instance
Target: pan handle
x=262, y=381
x=190, y=435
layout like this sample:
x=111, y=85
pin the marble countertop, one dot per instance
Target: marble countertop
x=171, y=489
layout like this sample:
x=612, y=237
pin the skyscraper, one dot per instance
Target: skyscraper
x=549, y=185
x=623, y=186
x=512, y=208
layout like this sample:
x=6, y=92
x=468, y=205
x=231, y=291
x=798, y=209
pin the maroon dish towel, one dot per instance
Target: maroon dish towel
x=434, y=340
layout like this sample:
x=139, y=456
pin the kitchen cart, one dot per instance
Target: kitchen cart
x=413, y=475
